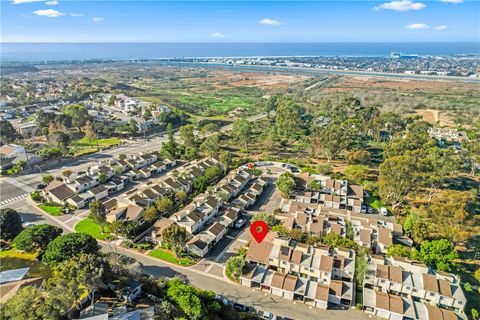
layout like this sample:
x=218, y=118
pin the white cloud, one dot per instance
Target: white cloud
x=270, y=22
x=441, y=27
x=51, y=3
x=417, y=26
x=76, y=14
x=401, y=5
x=97, y=19
x=217, y=35
x=452, y=1
x=51, y=13
x=24, y=1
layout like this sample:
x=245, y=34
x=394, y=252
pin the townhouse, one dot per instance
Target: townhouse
x=296, y=271
x=426, y=291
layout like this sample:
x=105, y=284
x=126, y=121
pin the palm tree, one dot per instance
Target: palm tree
x=116, y=228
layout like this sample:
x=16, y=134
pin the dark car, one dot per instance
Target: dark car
x=41, y=186
x=242, y=308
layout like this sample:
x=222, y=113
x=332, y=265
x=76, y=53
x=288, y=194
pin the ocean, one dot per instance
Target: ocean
x=120, y=51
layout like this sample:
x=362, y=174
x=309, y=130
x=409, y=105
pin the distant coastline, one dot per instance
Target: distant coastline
x=134, y=51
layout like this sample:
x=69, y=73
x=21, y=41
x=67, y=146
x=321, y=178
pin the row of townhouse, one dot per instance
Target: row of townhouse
x=130, y=207
x=330, y=193
x=318, y=220
x=321, y=276
x=202, y=242
x=424, y=293
x=82, y=187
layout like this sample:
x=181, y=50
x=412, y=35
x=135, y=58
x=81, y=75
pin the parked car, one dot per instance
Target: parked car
x=222, y=299
x=41, y=186
x=370, y=209
x=384, y=211
x=240, y=222
x=267, y=315
x=26, y=225
x=242, y=308
x=363, y=209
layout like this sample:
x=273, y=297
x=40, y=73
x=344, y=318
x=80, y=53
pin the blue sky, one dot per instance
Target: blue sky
x=236, y=21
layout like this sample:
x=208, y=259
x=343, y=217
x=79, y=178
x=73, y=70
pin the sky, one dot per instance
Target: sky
x=240, y=21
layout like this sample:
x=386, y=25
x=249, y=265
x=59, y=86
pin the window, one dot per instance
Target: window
x=432, y=294
x=460, y=302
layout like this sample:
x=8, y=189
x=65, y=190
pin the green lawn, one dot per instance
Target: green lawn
x=84, y=142
x=52, y=210
x=14, y=254
x=89, y=226
x=375, y=202
x=168, y=256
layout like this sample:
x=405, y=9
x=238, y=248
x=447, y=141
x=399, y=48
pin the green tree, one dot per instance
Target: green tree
x=8, y=134
x=79, y=115
x=477, y=275
x=468, y=287
x=269, y=218
x=174, y=237
x=26, y=304
x=187, y=134
x=171, y=141
x=150, y=214
x=47, y=178
x=102, y=178
x=117, y=228
x=357, y=173
x=242, y=130
x=281, y=229
x=358, y=157
x=474, y=314
x=438, y=254
x=234, y=267
x=36, y=237
x=288, y=118
x=69, y=245
x=213, y=172
x=180, y=196
x=186, y=297
x=98, y=213
x=332, y=140
x=211, y=145
x=200, y=184
x=286, y=183
x=333, y=240
x=164, y=204
x=90, y=134
x=10, y=224
x=60, y=140
x=225, y=159
x=67, y=173
x=122, y=156
x=398, y=250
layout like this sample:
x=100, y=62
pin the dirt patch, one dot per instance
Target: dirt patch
x=435, y=117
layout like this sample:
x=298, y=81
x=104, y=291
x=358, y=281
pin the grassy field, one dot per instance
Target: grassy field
x=52, y=210
x=84, y=142
x=13, y=259
x=88, y=226
x=14, y=254
x=169, y=256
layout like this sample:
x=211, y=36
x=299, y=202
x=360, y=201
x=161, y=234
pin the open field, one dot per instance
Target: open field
x=168, y=256
x=90, y=227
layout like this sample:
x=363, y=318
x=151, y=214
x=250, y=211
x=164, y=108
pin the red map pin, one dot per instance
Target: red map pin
x=259, y=230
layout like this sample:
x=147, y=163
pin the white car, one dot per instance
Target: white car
x=384, y=211
x=239, y=223
x=267, y=315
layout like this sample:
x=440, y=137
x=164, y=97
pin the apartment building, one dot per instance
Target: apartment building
x=315, y=275
x=416, y=290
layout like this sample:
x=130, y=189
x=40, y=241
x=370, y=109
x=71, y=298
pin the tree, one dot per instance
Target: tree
x=267, y=217
x=174, y=237
x=474, y=314
x=67, y=173
x=102, y=178
x=241, y=130
x=358, y=157
x=164, y=204
x=98, y=213
x=398, y=250
x=234, y=267
x=333, y=240
x=122, y=156
x=36, y=237
x=468, y=287
x=438, y=254
x=357, y=172
x=180, y=196
x=79, y=115
x=187, y=134
x=90, y=134
x=281, y=229
x=213, y=172
x=331, y=140
x=288, y=118
x=186, y=297
x=171, y=140
x=116, y=228
x=477, y=274
x=46, y=179
x=69, y=245
x=8, y=134
x=150, y=214
x=200, y=184
x=225, y=159
x=26, y=304
x=81, y=275
x=60, y=140
x=210, y=146
x=285, y=184
x=398, y=177
x=10, y=224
